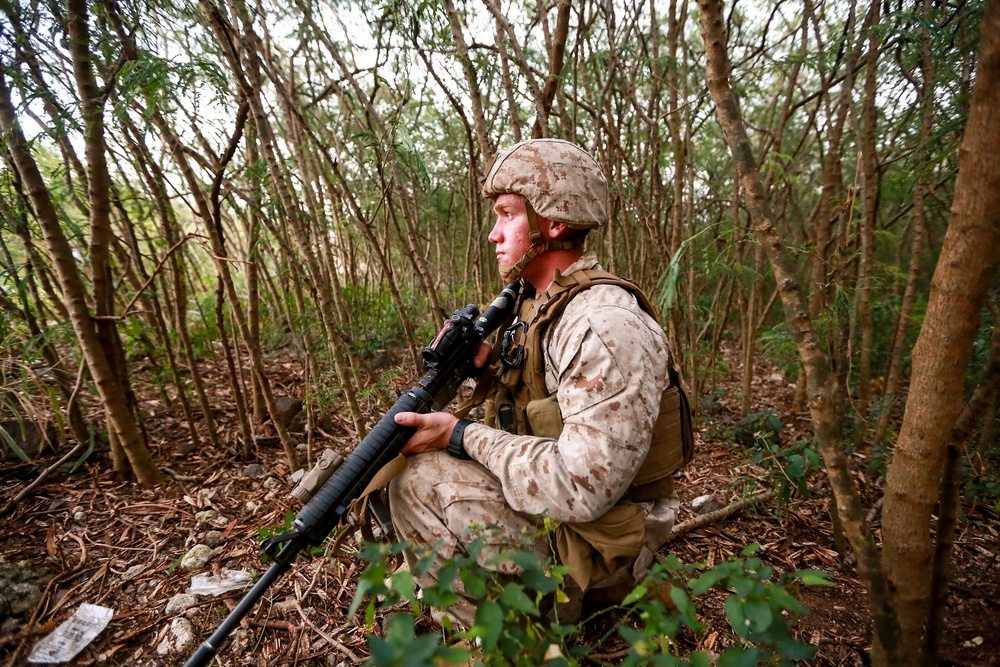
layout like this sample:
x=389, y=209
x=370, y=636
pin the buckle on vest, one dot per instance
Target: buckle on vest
x=511, y=351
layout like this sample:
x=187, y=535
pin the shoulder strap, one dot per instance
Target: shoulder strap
x=555, y=300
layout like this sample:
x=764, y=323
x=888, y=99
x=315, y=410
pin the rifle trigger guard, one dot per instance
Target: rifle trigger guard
x=270, y=545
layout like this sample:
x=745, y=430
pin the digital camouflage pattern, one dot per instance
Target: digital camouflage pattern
x=560, y=180
x=440, y=502
x=607, y=362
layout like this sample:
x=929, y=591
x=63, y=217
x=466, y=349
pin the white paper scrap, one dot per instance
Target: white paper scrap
x=229, y=580
x=72, y=636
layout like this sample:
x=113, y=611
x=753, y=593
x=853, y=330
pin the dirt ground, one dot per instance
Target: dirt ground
x=91, y=537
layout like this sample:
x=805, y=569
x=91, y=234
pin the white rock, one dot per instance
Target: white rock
x=197, y=557
x=705, y=504
x=179, y=603
x=206, y=515
x=228, y=580
x=179, y=637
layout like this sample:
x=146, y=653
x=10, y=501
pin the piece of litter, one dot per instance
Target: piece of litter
x=210, y=584
x=72, y=636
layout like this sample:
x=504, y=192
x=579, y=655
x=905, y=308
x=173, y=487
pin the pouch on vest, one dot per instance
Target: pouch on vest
x=596, y=549
x=673, y=447
x=545, y=418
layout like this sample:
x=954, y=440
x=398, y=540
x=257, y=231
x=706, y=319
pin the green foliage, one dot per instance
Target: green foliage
x=514, y=624
x=755, y=608
x=789, y=467
x=759, y=433
x=8, y=440
x=377, y=323
x=777, y=345
x=758, y=429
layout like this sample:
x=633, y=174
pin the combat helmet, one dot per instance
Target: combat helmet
x=558, y=180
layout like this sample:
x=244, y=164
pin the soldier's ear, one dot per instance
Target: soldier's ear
x=559, y=231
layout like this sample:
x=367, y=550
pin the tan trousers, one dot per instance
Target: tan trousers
x=443, y=503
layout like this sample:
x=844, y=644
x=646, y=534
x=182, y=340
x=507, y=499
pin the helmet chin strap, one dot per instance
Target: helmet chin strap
x=538, y=246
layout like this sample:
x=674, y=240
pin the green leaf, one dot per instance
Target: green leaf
x=453, y=655
x=683, y=604
x=699, y=659
x=750, y=549
x=638, y=593
x=439, y=597
x=475, y=584
x=736, y=616
x=13, y=446
x=814, y=578
x=489, y=624
x=402, y=583
x=86, y=455
x=760, y=615
x=702, y=584
x=796, y=466
x=513, y=597
x=741, y=657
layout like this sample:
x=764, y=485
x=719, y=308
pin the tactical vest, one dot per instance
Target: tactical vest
x=523, y=405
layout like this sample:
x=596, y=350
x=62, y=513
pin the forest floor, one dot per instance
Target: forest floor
x=91, y=537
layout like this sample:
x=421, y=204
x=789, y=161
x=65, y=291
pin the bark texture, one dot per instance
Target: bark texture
x=112, y=394
x=968, y=261
x=821, y=384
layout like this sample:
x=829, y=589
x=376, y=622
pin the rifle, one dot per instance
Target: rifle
x=448, y=361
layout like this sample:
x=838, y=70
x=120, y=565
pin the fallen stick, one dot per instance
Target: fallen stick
x=41, y=478
x=718, y=515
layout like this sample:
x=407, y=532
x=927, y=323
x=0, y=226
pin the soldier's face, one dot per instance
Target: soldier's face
x=511, y=234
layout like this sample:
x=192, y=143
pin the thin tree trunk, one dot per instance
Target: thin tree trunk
x=486, y=146
x=967, y=263
x=822, y=389
x=26, y=289
x=99, y=215
x=870, y=204
x=230, y=42
x=120, y=418
x=179, y=153
x=894, y=372
x=951, y=487
x=556, y=48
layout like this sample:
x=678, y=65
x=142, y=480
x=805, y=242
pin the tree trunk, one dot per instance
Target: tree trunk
x=822, y=389
x=869, y=204
x=120, y=419
x=967, y=263
x=894, y=372
x=99, y=214
x=486, y=146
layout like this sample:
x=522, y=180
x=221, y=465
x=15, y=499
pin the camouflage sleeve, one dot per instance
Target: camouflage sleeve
x=607, y=362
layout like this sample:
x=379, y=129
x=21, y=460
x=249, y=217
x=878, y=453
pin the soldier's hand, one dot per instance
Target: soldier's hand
x=483, y=355
x=433, y=430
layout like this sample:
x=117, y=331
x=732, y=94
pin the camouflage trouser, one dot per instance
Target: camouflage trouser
x=435, y=501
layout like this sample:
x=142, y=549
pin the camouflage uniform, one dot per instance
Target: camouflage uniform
x=607, y=362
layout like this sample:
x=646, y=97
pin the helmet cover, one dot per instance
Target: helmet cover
x=560, y=181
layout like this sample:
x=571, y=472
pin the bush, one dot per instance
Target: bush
x=513, y=626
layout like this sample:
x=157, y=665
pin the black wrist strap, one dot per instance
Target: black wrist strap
x=455, y=446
